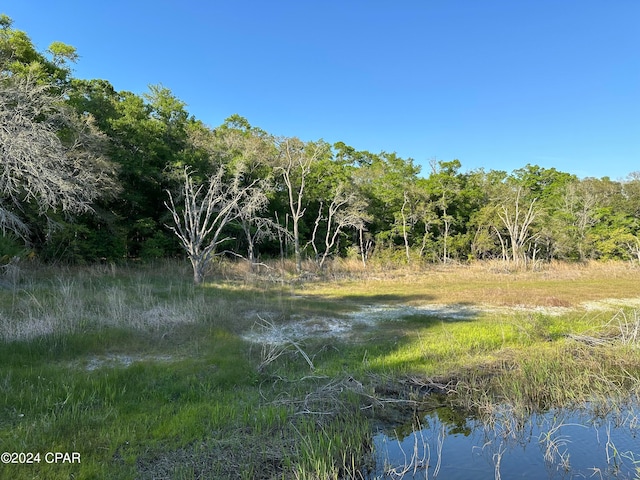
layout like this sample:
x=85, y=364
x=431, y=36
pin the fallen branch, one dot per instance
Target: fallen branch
x=271, y=351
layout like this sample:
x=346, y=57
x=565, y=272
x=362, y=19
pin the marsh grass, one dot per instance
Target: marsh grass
x=149, y=377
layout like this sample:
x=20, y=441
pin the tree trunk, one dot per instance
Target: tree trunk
x=199, y=266
x=445, y=251
x=250, y=254
x=280, y=240
x=404, y=228
x=296, y=246
x=363, y=253
x=502, y=245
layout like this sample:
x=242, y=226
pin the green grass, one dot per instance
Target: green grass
x=147, y=376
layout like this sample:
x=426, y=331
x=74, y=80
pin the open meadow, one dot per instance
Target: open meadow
x=270, y=375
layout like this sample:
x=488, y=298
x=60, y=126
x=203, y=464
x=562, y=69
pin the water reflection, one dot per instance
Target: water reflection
x=559, y=444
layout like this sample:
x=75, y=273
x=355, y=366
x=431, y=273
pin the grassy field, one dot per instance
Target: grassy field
x=145, y=376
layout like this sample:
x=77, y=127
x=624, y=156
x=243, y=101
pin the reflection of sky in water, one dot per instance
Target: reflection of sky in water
x=606, y=448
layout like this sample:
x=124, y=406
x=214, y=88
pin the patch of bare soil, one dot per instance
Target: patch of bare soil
x=612, y=304
x=117, y=360
x=304, y=327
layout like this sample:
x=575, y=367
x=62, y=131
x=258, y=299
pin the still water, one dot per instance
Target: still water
x=559, y=444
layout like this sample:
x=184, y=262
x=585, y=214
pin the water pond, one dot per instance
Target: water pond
x=559, y=444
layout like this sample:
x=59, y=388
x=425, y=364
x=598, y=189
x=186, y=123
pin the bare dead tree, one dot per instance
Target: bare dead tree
x=254, y=226
x=206, y=210
x=49, y=155
x=405, y=230
x=427, y=220
x=448, y=187
x=365, y=245
x=632, y=244
x=346, y=210
x=244, y=151
x=416, y=208
x=294, y=162
x=503, y=244
x=517, y=219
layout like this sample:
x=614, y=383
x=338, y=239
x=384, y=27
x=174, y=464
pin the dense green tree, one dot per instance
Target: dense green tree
x=445, y=185
x=548, y=186
x=248, y=153
x=149, y=141
x=573, y=220
x=18, y=56
x=385, y=180
x=615, y=230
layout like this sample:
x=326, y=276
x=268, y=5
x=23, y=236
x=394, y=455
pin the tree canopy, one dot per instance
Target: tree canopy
x=87, y=172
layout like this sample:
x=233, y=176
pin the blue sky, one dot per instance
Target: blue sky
x=496, y=84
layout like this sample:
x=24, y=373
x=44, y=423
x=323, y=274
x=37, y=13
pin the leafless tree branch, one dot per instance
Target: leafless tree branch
x=50, y=155
x=205, y=211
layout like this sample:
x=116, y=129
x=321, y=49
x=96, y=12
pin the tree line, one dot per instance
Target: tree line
x=93, y=174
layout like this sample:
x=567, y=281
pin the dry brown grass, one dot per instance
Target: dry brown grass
x=555, y=285
x=491, y=283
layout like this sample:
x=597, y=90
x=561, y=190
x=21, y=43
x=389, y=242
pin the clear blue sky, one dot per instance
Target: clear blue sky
x=495, y=83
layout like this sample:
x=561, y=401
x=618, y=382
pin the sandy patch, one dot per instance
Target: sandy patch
x=119, y=360
x=300, y=327
x=611, y=304
x=268, y=329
